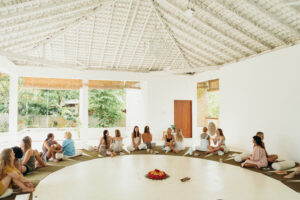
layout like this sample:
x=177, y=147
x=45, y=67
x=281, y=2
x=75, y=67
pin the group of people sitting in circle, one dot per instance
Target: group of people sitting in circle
x=16, y=162
x=139, y=141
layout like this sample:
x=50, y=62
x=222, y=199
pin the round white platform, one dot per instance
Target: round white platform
x=123, y=177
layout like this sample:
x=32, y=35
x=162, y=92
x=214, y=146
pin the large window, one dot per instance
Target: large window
x=54, y=107
x=208, y=101
x=4, y=102
x=107, y=108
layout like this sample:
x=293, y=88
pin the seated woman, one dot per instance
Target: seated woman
x=219, y=140
x=179, y=146
x=169, y=141
x=51, y=147
x=7, y=169
x=19, y=154
x=204, y=141
x=136, y=140
x=5, y=182
x=28, y=159
x=68, y=147
x=117, y=145
x=293, y=174
x=105, y=143
x=259, y=157
x=147, y=138
x=271, y=158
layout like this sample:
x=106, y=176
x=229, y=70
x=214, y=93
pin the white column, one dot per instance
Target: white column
x=84, y=107
x=13, y=104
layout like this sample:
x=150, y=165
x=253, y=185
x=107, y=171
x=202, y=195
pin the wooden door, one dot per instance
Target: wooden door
x=183, y=116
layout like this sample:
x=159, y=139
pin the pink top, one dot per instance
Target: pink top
x=258, y=157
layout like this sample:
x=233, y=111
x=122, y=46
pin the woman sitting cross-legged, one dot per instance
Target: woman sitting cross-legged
x=136, y=139
x=259, y=157
x=68, y=146
x=169, y=141
x=271, y=158
x=105, y=143
x=117, y=145
x=179, y=146
x=28, y=160
x=7, y=169
x=51, y=147
x=147, y=138
x=204, y=141
x=219, y=140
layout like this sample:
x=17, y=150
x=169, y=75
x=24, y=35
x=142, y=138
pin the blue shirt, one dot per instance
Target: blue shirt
x=68, y=147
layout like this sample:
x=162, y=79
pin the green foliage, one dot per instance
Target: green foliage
x=106, y=106
x=213, y=104
x=39, y=102
x=4, y=94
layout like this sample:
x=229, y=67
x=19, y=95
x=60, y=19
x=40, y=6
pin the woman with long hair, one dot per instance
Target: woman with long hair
x=179, y=145
x=117, y=145
x=169, y=141
x=259, y=156
x=7, y=168
x=105, y=143
x=136, y=139
x=28, y=160
x=219, y=140
x=147, y=138
x=51, y=147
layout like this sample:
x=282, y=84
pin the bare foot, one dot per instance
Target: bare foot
x=55, y=160
x=26, y=189
x=291, y=175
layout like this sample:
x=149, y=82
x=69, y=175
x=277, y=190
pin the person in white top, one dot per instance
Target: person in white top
x=204, y=141
x=179, y=146
x=117, y=145
x=136, y=139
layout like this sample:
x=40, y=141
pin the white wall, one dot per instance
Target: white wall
x=263, y=94
x=162, y=91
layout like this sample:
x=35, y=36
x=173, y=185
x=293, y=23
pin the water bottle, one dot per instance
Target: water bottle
x=191, y=151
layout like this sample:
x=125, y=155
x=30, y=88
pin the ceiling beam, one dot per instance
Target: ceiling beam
x=151, y=66
x=47, y=19
x=14, y=56
x=266, y=12
x=164, y=24
x=123, y=30
x=91, y=43
x=201, y=51
x=201, y=33
x=200, y=55
x=107, y=33
x=249, y=20
x=196, y=24
x=238, y=44
x=32, y=31
x=140, y=36
x=31, y=40
x=78, y=22
x=231, y=23
x=142, y=60
x=204, y=42
x=128, y=33
x=42, y=9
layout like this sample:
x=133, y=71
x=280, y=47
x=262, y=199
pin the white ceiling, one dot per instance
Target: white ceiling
x=144, y=35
